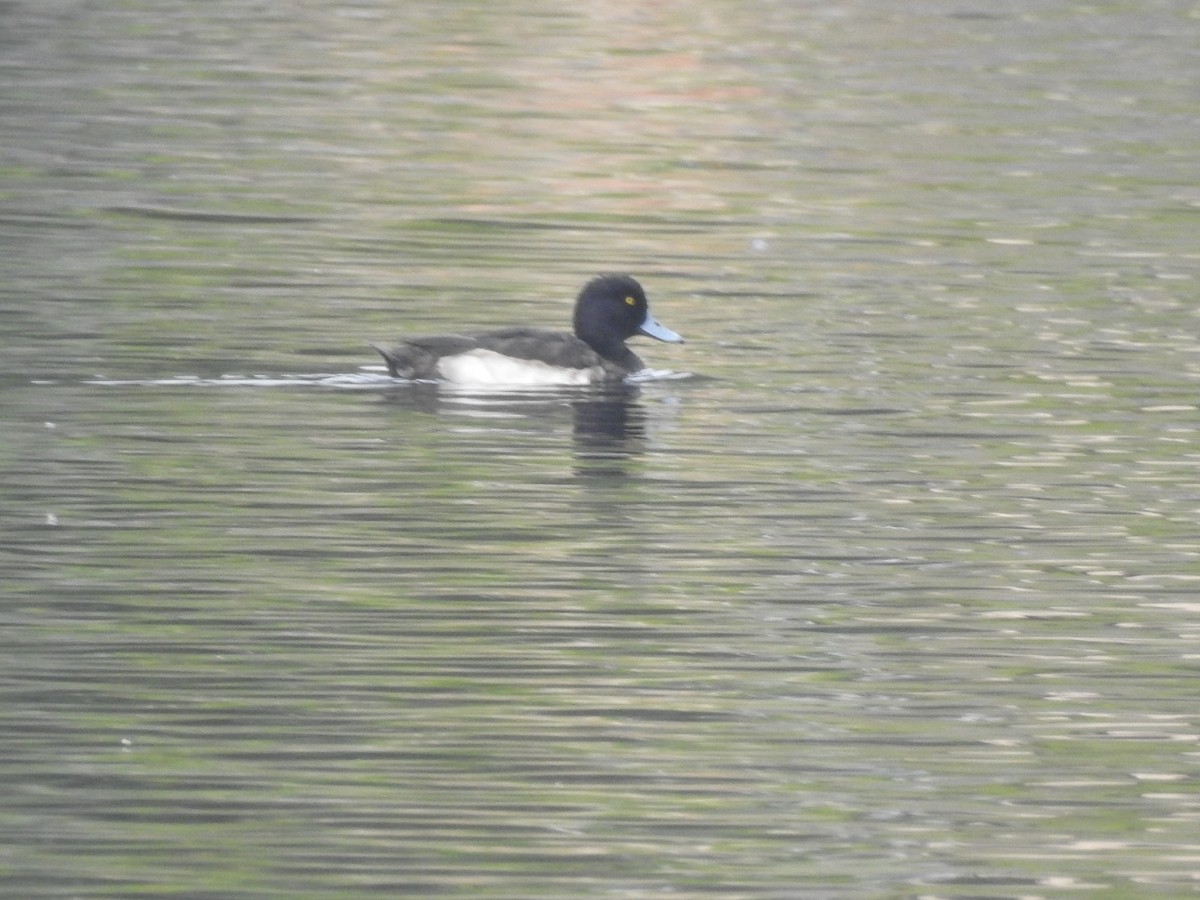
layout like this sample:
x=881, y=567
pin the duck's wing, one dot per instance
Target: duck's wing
x=554, y=348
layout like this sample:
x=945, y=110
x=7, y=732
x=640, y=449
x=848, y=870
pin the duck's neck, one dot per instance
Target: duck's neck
x=618, y=354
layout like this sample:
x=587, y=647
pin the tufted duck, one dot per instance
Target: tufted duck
x=609, y=309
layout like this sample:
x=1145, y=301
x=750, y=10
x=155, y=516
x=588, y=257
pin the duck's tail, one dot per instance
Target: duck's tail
x=398, y=365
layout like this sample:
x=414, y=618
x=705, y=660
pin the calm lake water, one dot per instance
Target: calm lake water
x=886, y=584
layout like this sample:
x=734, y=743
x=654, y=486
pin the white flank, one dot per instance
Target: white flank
x=486, y=367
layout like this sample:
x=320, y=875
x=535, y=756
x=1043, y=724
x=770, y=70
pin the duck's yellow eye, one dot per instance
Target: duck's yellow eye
x=631, y=301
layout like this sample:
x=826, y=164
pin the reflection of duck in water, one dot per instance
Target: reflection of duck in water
x=603, y=416
x=609, y=310
x=607, y=422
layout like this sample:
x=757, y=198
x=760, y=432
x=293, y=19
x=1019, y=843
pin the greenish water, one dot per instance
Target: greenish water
x=887, y=586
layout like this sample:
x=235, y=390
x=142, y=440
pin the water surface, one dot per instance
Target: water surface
x=885, y=586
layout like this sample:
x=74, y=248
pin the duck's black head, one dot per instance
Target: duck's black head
x=612, y=308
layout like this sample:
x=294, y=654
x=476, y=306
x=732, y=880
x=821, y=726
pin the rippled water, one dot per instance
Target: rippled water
x=886, y=584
